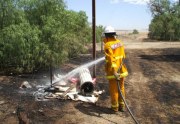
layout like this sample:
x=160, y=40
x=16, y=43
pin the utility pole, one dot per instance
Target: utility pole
x=94, y=34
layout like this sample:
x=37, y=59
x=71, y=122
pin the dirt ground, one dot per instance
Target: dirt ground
x=152, y=90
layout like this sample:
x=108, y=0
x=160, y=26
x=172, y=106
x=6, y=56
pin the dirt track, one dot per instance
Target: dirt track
x=152, y=91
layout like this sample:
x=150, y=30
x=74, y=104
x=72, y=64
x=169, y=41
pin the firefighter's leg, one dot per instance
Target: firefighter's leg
x=114, y=94
x=120, y=100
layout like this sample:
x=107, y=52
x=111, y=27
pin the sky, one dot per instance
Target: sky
x=121, y=14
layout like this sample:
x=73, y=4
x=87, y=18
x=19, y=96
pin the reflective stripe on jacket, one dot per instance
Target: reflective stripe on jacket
x=121, y=75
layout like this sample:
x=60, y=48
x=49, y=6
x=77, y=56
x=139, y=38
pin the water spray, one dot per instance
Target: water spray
x=76, y=70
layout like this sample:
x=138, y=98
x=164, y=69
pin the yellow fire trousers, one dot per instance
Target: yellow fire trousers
x=116, y=99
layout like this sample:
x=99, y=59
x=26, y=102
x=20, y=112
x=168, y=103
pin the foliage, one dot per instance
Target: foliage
x=39, y=33
x=9, y=14
x=135, y=31
x=99, y=31
x=19, y=49
x=166, y=20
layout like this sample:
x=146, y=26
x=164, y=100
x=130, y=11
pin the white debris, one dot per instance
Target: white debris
x=60, y=83
x=63, y=89
x=67, y=89
x=89, y=99
x=2, y=102
x=25, y=84
x=73, y=94
x=96, y=93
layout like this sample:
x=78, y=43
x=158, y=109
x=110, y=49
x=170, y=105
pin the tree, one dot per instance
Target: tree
x=166, y=20
x=9, y=13
x=135, y=31
x=40, y=33
x=99, y=31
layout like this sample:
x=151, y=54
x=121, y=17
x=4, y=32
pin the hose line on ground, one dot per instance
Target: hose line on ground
x=119, y=90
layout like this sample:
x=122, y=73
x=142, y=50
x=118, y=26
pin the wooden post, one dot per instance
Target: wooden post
x=94, y=34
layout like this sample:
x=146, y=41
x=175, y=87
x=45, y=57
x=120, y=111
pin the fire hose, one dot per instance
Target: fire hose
x=120, y=92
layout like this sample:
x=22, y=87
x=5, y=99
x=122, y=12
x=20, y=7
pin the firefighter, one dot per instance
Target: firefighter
x=114, y=54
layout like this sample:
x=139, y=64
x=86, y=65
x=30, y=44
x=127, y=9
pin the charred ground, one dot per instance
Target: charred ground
x=152, y=92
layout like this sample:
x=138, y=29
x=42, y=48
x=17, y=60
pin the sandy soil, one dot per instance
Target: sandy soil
x=152, y=91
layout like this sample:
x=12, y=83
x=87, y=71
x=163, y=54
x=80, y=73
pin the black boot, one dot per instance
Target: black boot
x=122, y=108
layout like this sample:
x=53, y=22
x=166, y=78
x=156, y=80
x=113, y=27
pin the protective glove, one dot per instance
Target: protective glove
x=117, y=76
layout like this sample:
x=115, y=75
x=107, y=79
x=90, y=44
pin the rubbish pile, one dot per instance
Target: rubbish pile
x=80, y=88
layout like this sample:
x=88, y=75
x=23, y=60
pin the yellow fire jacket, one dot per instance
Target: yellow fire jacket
x=114, y=54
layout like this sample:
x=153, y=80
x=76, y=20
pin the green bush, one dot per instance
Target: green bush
x=39, y=33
